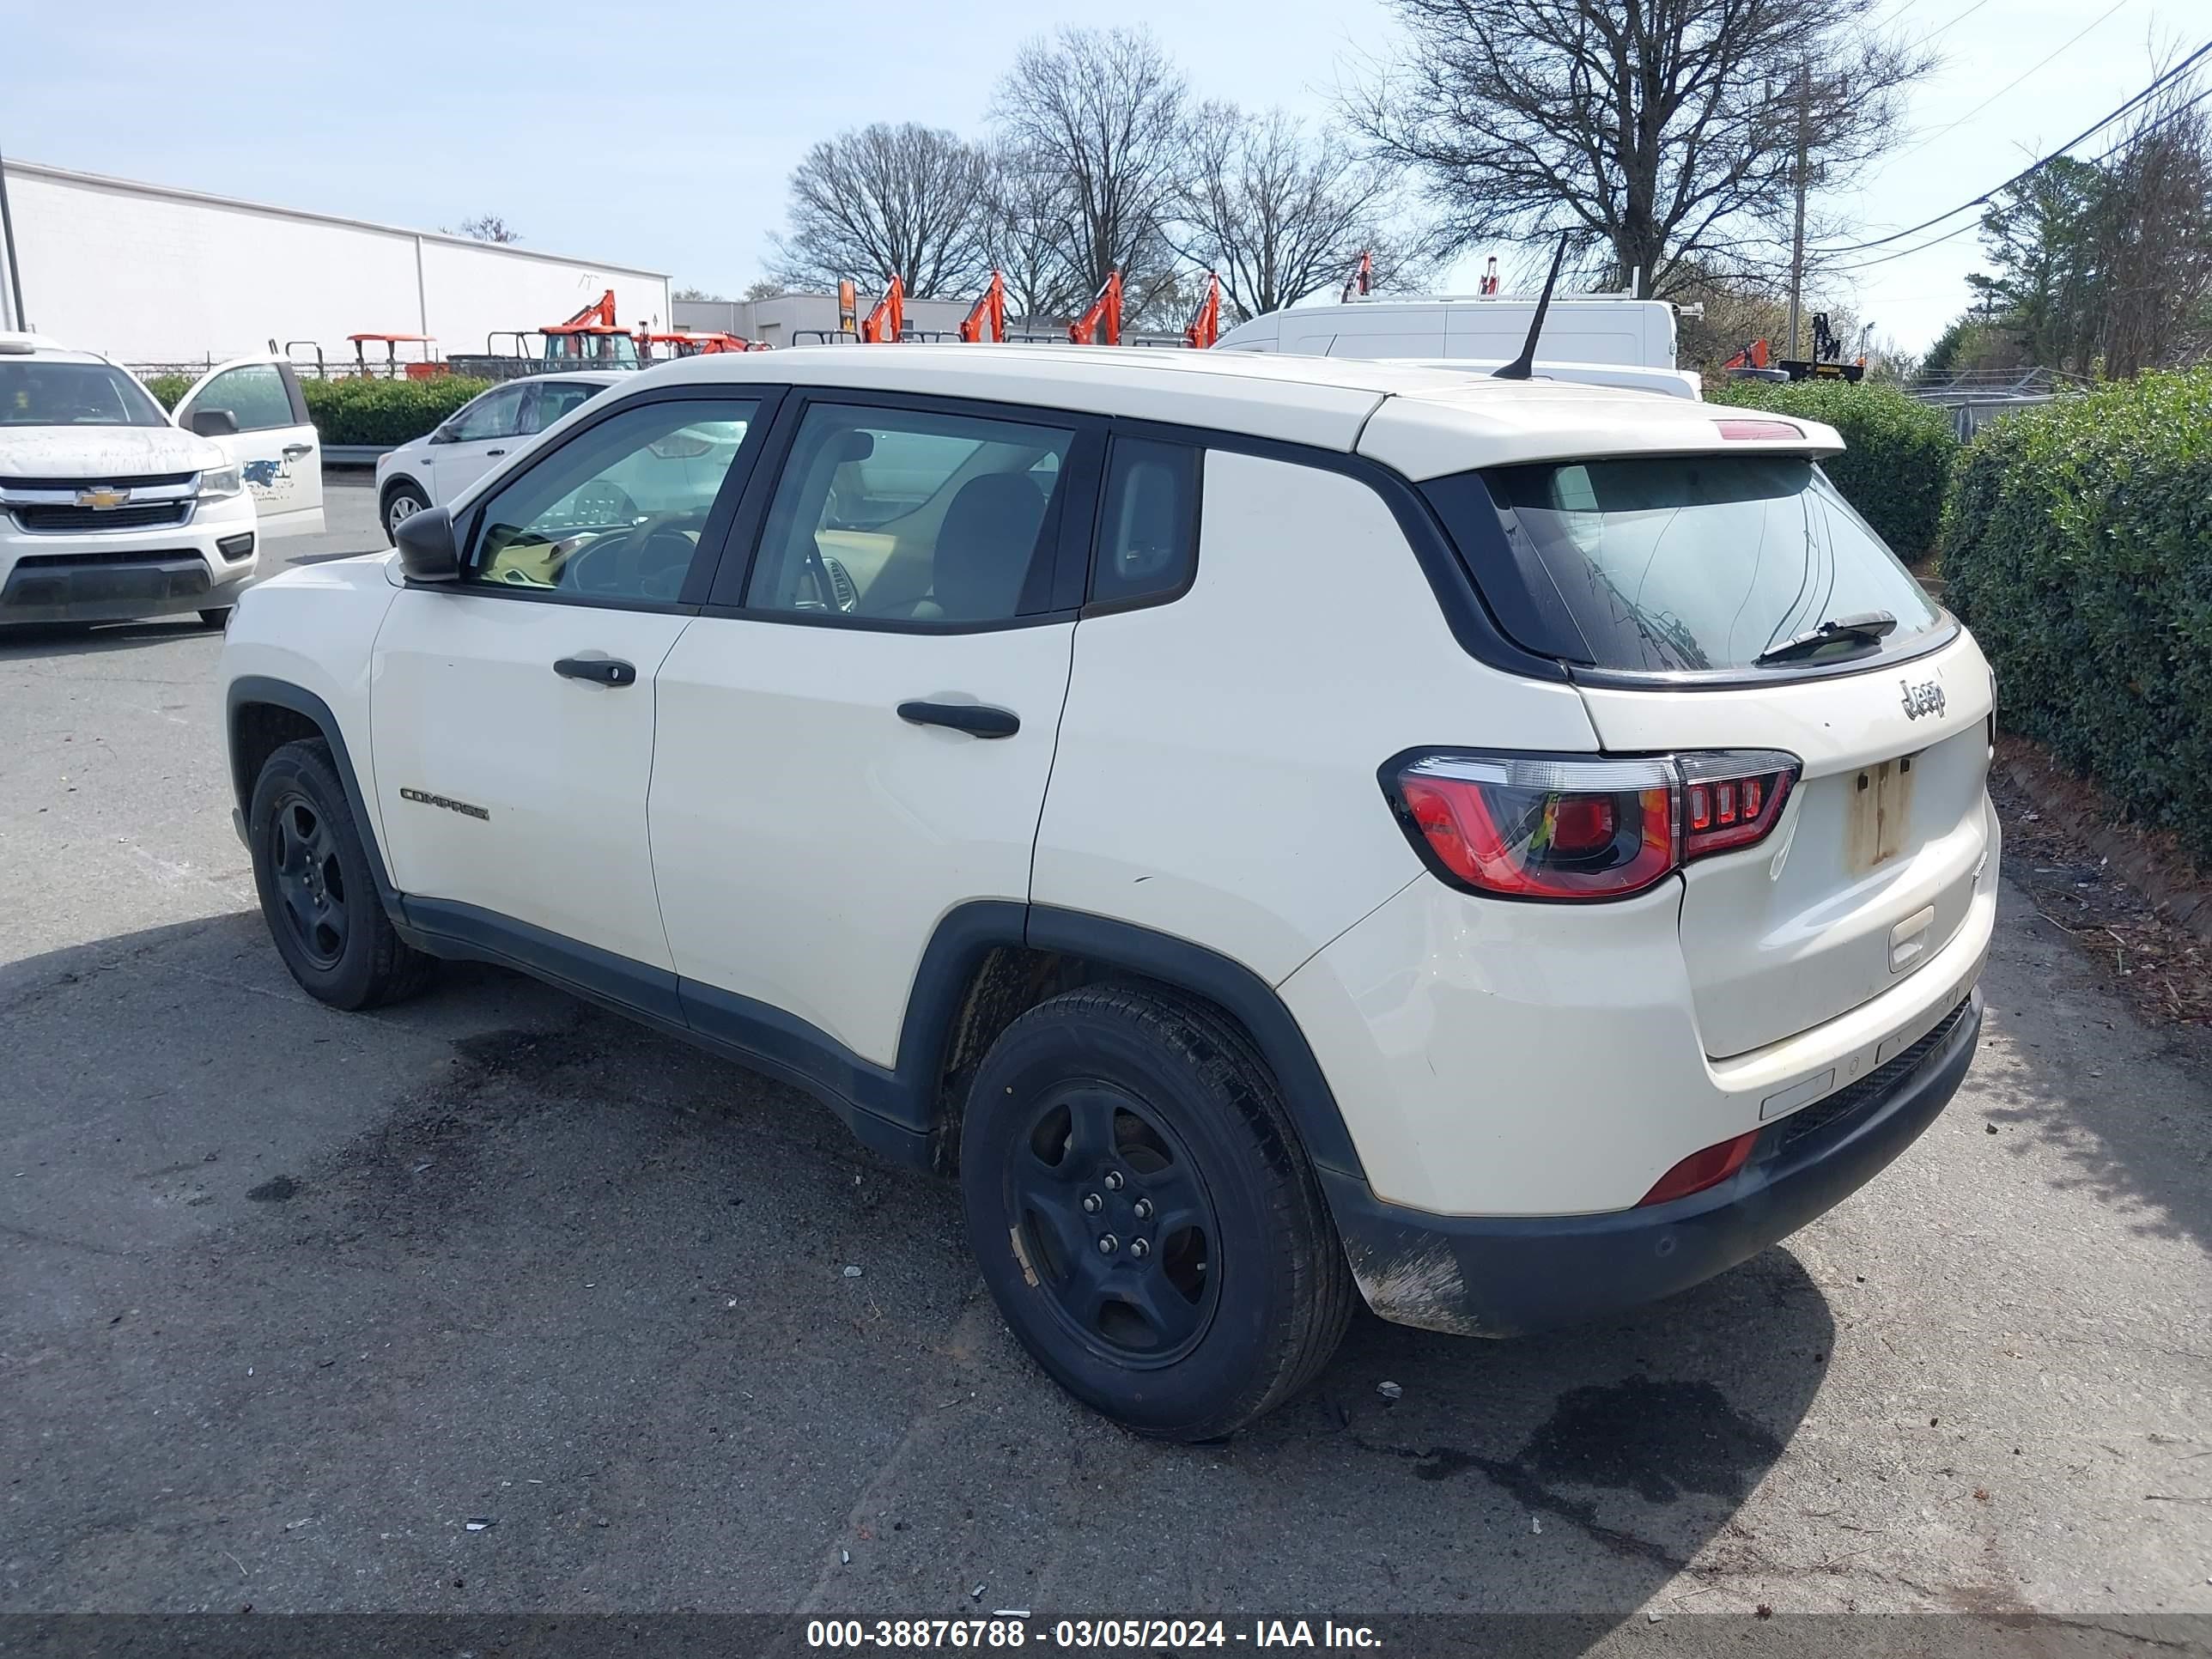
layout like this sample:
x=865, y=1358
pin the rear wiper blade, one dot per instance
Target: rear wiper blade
x=1867, y=626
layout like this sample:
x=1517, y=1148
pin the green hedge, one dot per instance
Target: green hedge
x=2077, y=542
x=363, y=411
x=1899, y=455
x=360, y=411
x=167, y=388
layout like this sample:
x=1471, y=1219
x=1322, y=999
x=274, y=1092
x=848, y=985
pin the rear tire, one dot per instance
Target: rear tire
x=403, y=500
x=1145, y=1215
x=319, y=894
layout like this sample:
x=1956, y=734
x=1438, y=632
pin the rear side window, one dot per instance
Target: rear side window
x=1658, y=563
x=1148, y=524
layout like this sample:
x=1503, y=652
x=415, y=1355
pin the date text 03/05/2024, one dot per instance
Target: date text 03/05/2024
x=1013, y=1629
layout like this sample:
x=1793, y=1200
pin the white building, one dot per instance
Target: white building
x=152, y=275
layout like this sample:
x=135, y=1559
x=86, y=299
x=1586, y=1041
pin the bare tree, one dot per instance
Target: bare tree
x=1096, y=116
x=1657, y=132
x=1276, y=213
x=688, y=292
x=766, y=288
x=885, y=200
x=1029, y=229
x=2153, y=241
x=488, y=228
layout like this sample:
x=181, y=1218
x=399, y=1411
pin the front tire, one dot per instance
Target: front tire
x=403, y=500
x=1145, y=1215
x=318, y=892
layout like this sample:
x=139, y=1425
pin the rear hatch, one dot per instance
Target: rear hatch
x=1732, y=601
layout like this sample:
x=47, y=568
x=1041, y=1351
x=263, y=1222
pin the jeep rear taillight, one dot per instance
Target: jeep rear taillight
x=1572, y=828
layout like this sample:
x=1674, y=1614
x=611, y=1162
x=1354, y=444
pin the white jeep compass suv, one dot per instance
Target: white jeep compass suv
x=1276, y=827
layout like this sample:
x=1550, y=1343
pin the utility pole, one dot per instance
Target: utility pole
x=1797, y=237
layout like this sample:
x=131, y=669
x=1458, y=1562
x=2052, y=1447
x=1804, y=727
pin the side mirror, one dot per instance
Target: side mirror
x=442, y=433
x=214, y=423
x=427, y=550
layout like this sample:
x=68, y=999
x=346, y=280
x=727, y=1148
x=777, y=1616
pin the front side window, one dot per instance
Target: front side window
x=74, y=394
x=254, y=393
x=496, y=415
x=615, y=514
x=901, y=515
x=1666, y=562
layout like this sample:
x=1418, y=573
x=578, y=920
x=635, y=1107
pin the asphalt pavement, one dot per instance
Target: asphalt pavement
x=291, y=1299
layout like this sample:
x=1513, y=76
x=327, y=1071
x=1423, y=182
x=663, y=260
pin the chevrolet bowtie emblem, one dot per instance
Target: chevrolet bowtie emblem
x=102, y=496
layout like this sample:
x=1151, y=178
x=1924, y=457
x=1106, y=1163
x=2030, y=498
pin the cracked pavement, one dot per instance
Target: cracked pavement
x=288, y=1297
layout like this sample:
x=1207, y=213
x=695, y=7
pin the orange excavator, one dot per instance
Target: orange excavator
x=1102, y=324
x=884, y=326
x=987, y=319
x=1361, y=280
x=1204, y=326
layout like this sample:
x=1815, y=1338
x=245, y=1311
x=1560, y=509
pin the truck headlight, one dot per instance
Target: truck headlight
x=219, y=482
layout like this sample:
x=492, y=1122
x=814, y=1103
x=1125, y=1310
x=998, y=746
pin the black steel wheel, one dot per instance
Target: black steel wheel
x=318, y=891
x=1111, y=1212
x=1145, y=1215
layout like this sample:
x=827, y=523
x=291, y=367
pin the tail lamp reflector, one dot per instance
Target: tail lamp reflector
x=1701, y=1170
x=1541, y=826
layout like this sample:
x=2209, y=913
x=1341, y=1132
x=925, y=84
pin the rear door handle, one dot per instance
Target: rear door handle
x=976, y=720
x=292, y=452
x=601, y=670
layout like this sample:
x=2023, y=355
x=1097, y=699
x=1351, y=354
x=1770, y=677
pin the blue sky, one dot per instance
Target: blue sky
x=664, y=138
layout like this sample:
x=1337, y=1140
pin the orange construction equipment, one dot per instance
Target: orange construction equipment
x=1489, y=289
x=663, y=347
x=1206, y=323
x=884, y=326
x=1102, y=324
x=987, y=320
x=849, y=307
x=1752, y=356
x=1361, y=280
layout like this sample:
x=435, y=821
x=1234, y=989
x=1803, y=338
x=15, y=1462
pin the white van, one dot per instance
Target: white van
x=1576, y=330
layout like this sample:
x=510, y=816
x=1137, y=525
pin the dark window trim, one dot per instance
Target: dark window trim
x=1121, y=431
x=1076, y=506
x=713, y=535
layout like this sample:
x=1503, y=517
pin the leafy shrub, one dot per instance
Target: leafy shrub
x=1898, y=457
x=167, y=388
x=2077, y=541
x=366, y=412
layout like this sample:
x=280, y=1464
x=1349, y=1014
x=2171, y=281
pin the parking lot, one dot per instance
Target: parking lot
x=289, y=1300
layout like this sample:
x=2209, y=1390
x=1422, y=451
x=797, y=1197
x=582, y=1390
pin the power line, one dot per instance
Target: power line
x=2157, y=84
x=2008, y=86
x=2178, y=111
x=1943, y=28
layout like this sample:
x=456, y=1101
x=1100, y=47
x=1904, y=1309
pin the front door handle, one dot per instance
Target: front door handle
x=493, y=455
x=601, y=670
x=976, y=720
x=292, y=452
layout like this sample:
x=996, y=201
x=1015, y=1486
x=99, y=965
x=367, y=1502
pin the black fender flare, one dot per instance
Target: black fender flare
x=249, y=689
x=969, y=931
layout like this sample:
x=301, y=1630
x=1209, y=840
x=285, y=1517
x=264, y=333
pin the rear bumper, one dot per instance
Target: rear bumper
x=1505, y=1276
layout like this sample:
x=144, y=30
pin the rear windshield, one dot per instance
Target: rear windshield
x=73, y=394
x=1677, y=561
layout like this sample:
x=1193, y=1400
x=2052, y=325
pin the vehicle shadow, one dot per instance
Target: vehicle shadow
x=497, y=1252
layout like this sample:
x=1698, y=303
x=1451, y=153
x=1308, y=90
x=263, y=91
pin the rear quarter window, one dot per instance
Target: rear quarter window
x=1674, y=563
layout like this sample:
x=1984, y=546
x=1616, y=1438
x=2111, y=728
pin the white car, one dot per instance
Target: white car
x=434, y=469
x=111, y=510
x=1282, y=830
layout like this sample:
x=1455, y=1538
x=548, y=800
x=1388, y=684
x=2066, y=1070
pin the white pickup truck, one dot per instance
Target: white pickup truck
x=111, y=510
